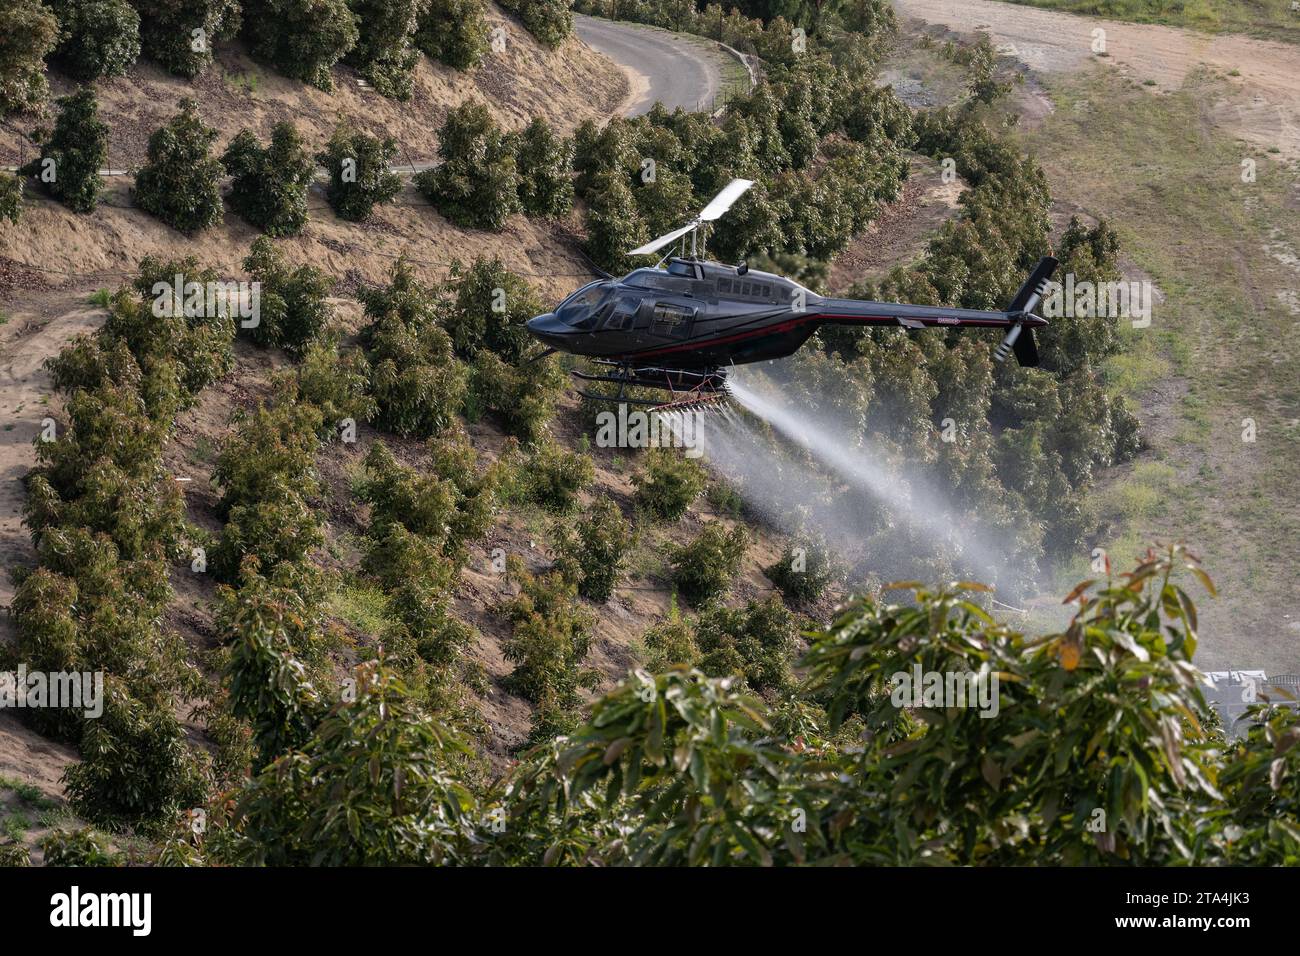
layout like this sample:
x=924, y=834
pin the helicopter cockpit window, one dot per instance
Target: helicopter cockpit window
x=625, y=309
x=582, y=309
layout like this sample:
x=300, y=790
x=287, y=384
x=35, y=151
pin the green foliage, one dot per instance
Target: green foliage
x=83, y=847
x=269, y=626
x=11, y=197
x=96, y=37
x=554, y=477
x=614, y=226
x=358, y=165
x=371, y=787
x=521, y=397
x=74, y=153
x=551, y=21
x=385, y=52
x=549, y=641
x=28, y=32
x=704, y=569
x=269, y=186
x=337, y=383
x=293, y=306
x=476, y=184
x=454, y=32
x=593, y=553
x=450, y=503
x=180, y=183
x=15, y=854
x=180, y=34
x=135, y=766
x=671, y=642
x=805, y=569
x=489, y=310
x=266, y=470
x=301, y=38
x=545, y=167
x=1100, y=722
x=416, y=382
x=669, y=484
x=756, y=642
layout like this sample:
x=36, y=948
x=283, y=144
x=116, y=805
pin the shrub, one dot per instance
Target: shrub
x=269, y=186
x=544, y=163
x=669, y=484
x=294, y=310
x=671, y=642
x=337, y=383
x=371, y=787
x=270, y=450
x=490, y=309
x=180, y=34
x=454, y=32
x=180, y=183
x=521, y=397
x=804, y=571
x=15, y=854
x=28, y=32
x=417, y=384
x=593, y=554
x=135, y=766
x=82, y=847
x=385, y=53
x=173, y=339
x=97, y=37
x=301, y=38
x=555, y=476
x=548, y=20
x=757, y=642
x=476, y=185
x=359, y=175
x=704, y=569
x=549, y=640
x=277, y=528
x=11, y=197
x=614, y=226
x=74, y=153
x=270, y=626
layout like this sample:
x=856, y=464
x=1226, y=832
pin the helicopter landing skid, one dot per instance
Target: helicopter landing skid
x=686, y=388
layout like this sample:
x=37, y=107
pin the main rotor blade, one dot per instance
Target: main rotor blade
x=725, y=199
x=656, y=244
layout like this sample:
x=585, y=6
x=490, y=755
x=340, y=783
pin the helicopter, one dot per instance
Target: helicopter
x=679, y=328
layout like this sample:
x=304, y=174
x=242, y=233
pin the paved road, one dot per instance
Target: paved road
x=662, y=66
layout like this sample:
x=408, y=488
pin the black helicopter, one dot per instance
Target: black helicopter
x=679, y=328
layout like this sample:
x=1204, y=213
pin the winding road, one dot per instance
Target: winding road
x=671, y=68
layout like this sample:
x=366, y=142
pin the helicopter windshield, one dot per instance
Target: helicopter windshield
x=582, y=309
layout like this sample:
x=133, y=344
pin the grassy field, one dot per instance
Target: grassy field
x=1271, y=19
x=1219, y=356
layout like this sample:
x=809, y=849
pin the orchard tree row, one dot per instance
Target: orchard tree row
x=304, y=39
x=485, y=175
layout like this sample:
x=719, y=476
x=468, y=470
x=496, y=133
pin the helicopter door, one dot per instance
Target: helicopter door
x=673, y=321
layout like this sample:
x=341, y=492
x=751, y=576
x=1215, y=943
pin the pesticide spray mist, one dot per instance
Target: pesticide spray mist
x=881, y=515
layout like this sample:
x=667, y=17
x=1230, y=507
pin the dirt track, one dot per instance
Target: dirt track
x=1265, y=111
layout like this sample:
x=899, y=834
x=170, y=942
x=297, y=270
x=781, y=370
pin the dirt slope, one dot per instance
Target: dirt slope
x=1265, y=107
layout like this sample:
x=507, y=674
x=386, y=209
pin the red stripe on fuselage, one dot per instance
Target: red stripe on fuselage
x=794, y=323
